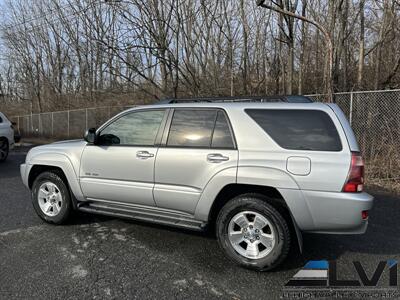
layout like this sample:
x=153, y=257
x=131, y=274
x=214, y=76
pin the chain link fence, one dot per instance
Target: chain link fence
x=374, y=116
x=65, y=124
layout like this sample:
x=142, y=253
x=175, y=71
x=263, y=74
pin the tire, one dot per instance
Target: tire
x=4, y=149
x=259, y=214
x=53, y=183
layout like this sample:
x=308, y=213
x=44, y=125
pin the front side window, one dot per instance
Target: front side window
x=298, y=129
x=135, y=129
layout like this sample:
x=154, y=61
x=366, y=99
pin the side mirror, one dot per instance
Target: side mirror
x=90, y=136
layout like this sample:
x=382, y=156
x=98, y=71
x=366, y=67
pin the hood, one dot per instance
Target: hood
x=67, y=141
x=63, y=145
x=70, y=148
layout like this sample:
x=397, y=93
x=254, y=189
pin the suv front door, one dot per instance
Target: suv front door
x=198, y=145
x=120, y=167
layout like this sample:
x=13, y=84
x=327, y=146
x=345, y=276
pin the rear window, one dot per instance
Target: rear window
x=298, y=129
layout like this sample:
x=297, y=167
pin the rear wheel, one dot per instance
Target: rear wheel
x=253, y=233
x=51, y=198
x=4, y=149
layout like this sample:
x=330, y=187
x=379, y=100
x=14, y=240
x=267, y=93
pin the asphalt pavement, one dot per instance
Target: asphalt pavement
x=96, y=257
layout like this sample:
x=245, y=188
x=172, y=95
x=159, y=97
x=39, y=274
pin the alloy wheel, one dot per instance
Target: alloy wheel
x=50, y=199
x=251, y=234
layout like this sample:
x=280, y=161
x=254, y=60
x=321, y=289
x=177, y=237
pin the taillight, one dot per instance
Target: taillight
x=355, y=179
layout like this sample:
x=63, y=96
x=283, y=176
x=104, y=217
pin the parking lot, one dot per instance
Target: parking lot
x=100, y=257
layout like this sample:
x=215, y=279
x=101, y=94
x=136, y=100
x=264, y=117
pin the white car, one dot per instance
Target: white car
x=6, y=137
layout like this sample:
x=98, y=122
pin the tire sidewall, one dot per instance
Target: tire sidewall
x=62, y=187
x=8, y=150
x=278, y=223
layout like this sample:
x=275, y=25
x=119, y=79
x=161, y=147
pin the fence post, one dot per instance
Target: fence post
x=351, y=108
x=40, y=124
x=68, y=124
x=52, y=124
x=86, y=120
x=31, y=118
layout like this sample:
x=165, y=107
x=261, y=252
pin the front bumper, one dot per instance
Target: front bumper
x=24, y=173
x=330, y=212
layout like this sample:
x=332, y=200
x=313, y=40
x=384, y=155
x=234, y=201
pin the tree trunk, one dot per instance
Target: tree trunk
x=360, y=71
x=303, y=48
x=245, y=53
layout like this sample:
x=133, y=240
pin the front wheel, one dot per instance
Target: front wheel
x=51, y=198
x=253, y=233
x=4, y=149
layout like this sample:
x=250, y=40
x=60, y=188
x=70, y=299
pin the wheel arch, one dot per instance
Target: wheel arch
x=275, y=198
x=38, y=169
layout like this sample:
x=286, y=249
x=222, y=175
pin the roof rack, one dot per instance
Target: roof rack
x=287, y=99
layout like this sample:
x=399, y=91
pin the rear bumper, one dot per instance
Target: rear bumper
x=330, y=212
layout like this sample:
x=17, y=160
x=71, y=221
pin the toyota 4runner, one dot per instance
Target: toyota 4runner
x=258, y=170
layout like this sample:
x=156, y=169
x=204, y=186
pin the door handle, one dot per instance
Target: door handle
x=216, y=158
x=144, y=154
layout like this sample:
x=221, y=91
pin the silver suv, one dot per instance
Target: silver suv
x=260, y=173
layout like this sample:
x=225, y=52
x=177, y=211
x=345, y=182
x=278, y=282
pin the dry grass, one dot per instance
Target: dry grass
x=383, y=166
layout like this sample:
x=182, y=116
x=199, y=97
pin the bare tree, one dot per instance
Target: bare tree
x=75, y=53
x=329, y=46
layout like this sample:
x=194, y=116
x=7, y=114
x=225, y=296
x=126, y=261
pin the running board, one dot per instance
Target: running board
x=143, y=213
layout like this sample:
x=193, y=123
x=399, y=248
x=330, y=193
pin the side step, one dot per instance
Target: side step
x=143, y=213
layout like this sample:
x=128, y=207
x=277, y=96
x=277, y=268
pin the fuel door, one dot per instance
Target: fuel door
x=298, y=165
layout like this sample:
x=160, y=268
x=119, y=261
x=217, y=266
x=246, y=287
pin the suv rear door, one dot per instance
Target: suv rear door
x=198, y=143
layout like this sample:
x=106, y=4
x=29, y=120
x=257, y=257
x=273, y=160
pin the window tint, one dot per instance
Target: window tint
x=192, y=128
x=222, y=137
x=137, y=128
x=299, y=129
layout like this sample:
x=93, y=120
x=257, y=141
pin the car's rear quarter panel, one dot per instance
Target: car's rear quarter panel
x=314, y=199
x=328, y=172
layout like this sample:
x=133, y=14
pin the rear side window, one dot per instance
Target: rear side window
x=191, y=128
x=222, y=136
x=200, y=128
x=298, y=129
